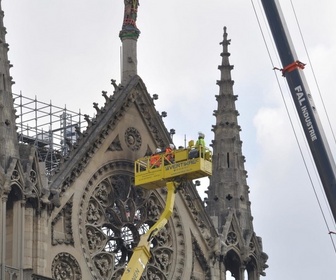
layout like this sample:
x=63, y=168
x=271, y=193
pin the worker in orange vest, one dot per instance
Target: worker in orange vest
x=169, y=154
x=155, y=159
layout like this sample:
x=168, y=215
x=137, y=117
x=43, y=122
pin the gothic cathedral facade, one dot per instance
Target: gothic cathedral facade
x=84, y=221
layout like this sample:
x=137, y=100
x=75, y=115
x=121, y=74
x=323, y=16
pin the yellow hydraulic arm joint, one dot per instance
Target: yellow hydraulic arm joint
x=141, y=253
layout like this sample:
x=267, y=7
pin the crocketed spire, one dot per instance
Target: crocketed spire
x=8, y=137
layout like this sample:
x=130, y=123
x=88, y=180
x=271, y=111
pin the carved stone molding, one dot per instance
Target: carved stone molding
x=151, y=123
x=61, y=226
x=202, y=260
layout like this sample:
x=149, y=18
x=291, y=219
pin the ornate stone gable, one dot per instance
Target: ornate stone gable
x=241, y=248
x=102, y=214
x=35, y=185
x=26, y=175
x=106, y=121
x=14, y=176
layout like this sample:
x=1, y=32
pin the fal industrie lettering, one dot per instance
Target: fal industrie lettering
x=180, y=164
x=305, y=113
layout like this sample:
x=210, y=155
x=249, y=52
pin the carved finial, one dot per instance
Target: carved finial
x=113, y=82
x=225, y=41
x=107, y=99
x=87, y=118
x=95, y=105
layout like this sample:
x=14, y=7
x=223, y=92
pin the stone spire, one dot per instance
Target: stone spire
x=8, y=137
x=129, y=35
x=228, y=189
x=228, y=201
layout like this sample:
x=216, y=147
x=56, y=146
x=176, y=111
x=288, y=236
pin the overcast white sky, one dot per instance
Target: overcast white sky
x=68, y=50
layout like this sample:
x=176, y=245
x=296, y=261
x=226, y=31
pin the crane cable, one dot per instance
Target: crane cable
x=291, y=123
x=320, y=95
x=313, y=72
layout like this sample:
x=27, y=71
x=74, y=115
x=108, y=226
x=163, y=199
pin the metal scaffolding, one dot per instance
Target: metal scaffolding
x=51, y=129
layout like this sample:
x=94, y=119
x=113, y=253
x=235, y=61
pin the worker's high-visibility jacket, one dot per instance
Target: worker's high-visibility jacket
x=155, y=160
x=169, y=155
x=200, y=142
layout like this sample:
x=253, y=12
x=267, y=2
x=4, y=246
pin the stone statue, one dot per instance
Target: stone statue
x=130, y=14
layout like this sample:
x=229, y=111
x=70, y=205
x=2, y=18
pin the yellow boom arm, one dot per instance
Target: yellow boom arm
x=184, y=164
x=141, y=254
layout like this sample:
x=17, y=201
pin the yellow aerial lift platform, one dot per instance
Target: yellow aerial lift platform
x=164, y=170
x=188, y=164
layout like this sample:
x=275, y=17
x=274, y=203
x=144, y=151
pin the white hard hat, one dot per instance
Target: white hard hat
x=201, y=134
x=158, y=150
x=171, y=146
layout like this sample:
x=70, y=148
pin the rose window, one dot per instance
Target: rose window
x=115, y=215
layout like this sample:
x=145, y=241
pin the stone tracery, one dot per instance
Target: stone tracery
x=65, y=267
x=114, y=214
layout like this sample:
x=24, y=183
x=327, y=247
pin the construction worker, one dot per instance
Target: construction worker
x=200, y=143
x=155, y=159
x=169, y=154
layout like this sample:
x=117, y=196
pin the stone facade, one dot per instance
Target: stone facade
x=84, y=222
